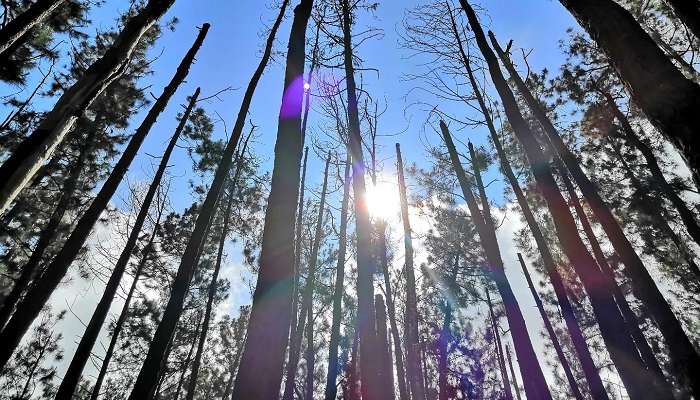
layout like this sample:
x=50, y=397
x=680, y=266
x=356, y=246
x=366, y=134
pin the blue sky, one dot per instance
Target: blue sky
x=232, y=50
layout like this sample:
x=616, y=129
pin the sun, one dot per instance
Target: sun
x=383, y=199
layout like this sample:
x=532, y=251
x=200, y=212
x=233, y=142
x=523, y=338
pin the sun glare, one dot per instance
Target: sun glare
x=383, y=199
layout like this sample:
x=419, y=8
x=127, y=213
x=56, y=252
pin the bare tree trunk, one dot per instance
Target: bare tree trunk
x=188, y=359
x=23, y=23
x=512, y=373
x=443, y=364
x=597, y=389
x=631, y=137
x=552, y=335
x=668, y=98
x=535, y=384
x=36, y=298
x=365, y=264
x=87, y=341
x=296, y=326
x=414, y=371
x=29, y=155
x=620, y=345
x=31, y=269
x=688, y=11
x=386, y=372
x=123, y=315
x=629, y=317
x=211, y=293
x=499, y=350
x=339, y=289
x=683, y=355
x=268, y=329
x=309, y=355
x=146, y=381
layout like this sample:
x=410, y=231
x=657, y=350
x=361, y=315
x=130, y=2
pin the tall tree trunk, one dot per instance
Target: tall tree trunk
x=36, y=298
x=512, y=373
x=338, y=290
x=188, y=359
x=499, y=350
x=148, y=376
x=309, y=355
x=23, y=23
x=629, y=317
x=535, y=384
x=668, y=98
x=87, y=341
x=365, y=264
x=234, y=368
x=296, y=326
x=391, y=311
x=684, y=357
x=211, y=292
x=621, y=347
x=31, y=269
x=597, y=389
x=29, y=155
x=443, y=354
x=414, y=371
x=633, y=140
x=552, y=335
x=688, y=11
x=124, y=314
x=386, y=372
x=268, y=329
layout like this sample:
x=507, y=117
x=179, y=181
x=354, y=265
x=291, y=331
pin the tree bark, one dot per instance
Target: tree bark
x=29, y=155
x=211, y=292
x=31, y=269
x=339, y=289
x=188, y=359
x=681, y=351
x=552, y=335
x=386, y=372
x=23, y=23
x=296, y=328
x=688, y=11
x=668, y=98
x=36, y=298
x=535, y=384
x=597, y=389
x=414, y=371
x=512, y=373
x=622, y=349
x=365, y=264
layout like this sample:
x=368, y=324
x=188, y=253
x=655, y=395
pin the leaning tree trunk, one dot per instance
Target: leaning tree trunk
x=620, y=345
x=535, y=384
x=597, y=389
x=365, y=264
x=188, y=358
x=148, y=376
x=668, y=98
x=386, y=372
x=499, y=350
x=414, y=371
x=211, y=291
x=688, y=11
x=681, y=351
x=630, y=319
x=87, y=341
x=23, y=23
x=633, y=139
x=29, y=155
x=338, y=290
x=552, y=334
x=36, y=298
x=295, y=326
x=31, y=268
x=512, y=373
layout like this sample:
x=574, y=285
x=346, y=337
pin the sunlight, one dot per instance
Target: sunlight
x=383, y=198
